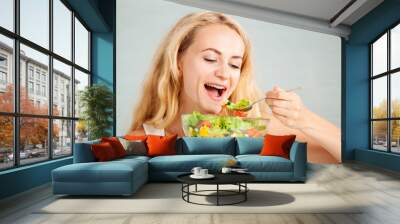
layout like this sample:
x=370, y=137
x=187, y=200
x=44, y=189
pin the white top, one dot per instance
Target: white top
x=151, y=130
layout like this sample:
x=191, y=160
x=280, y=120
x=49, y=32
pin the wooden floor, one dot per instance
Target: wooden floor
x=353, y=182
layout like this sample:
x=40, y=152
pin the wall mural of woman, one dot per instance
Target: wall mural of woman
x=205, y=60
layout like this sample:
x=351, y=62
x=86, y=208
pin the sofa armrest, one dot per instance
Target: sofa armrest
x=83, y=152
x=298, y=155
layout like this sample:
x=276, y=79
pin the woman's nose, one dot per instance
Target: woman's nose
x=222, y=72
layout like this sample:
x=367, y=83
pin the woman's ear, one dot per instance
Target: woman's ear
x=180, y=66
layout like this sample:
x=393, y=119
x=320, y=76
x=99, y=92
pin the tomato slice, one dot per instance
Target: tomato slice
x=205, y=123
x=239, y=113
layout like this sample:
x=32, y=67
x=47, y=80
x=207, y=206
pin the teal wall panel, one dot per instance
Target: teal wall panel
x=24, y=178
x=356, y=85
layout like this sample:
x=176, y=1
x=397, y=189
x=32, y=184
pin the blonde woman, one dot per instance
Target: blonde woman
x=204, y=60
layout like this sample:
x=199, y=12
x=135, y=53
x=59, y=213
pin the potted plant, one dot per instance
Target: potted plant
x=96, y=102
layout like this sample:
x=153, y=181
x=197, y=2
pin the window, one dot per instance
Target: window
x=43, y=77
x=30, y=87
x=3, y=72
x=7, y=84
x=81, y=81
x=54, y=125
x=3, y=78
x=385, y=91
x=62, y=30
x=81, y=45
x=43, y=90
x=30, y=72
x=38, y=74
x=55, y=101
x=38, y=89
x=3, y=61
x=34, y=22
x=7, y=14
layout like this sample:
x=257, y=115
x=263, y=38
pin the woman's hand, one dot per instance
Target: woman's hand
x=288, y=108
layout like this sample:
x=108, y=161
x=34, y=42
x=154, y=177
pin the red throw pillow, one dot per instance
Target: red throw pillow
x=103, y=151
x=277, y=145
x=135, y=137
x=161, y=145
x=116, y=145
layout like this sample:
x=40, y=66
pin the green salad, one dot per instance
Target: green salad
x=240, y=105
x=206, y=125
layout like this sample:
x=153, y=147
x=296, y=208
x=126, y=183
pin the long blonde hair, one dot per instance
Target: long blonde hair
x=159, y=104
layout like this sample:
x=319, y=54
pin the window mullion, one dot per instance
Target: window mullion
x=389, y=106
x=371, y=144
x=50, y=81
x=16, y=84
x=73, y=82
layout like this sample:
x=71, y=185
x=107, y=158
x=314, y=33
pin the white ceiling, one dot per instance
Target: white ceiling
x=320, y=9
x=314, y=15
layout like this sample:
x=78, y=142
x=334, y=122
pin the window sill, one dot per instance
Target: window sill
x=17, y=169
x=385, y=160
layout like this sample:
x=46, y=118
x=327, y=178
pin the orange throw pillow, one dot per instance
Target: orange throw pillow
x=116, y=145
x=161, y=145
x=277, y=145
x=103, y=151
x=135, y=137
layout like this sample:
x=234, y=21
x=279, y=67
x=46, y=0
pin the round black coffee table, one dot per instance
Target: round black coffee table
x=238, y=179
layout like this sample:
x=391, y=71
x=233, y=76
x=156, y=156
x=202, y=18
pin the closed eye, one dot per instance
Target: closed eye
x=209, y=60
x=234, y=66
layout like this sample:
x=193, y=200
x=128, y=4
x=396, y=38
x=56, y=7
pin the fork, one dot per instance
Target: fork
x=266, y=98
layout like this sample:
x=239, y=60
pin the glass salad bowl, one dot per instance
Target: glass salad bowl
x=207, y=125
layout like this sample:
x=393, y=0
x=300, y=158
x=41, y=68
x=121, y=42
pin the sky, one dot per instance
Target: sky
x=34, y=26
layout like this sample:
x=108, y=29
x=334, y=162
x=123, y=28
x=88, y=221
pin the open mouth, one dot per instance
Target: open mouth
x=215, y=91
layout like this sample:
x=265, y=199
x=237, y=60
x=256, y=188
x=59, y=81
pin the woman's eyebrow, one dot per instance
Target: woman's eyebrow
x=219, y=52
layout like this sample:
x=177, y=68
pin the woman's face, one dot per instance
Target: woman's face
x=211, y=68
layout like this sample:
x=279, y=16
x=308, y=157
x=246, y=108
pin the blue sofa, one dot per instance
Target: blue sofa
x=126, y=175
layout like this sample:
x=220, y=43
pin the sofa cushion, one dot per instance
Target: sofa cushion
x=103, y=152
x=134, y=147
x=257, y=163
x=197, y=145
x=161, y=145
x=116, y=145
x=135, y=137
x=185, y=163
x=249, y=145
x=277, y=145
x=111, y=171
